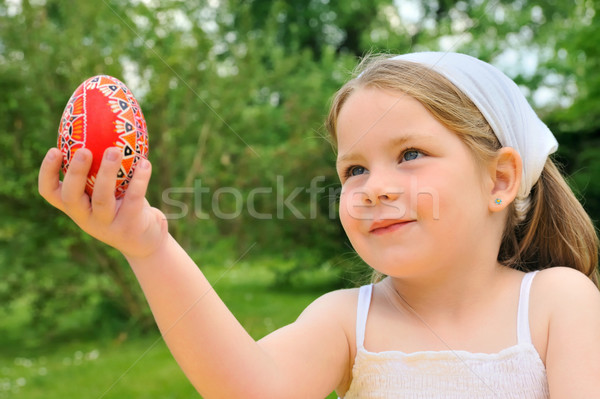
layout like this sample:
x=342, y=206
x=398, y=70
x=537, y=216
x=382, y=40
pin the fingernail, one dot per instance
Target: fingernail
x=51, y=155
x=144, y=164
x=111, y=154
x=79, y=157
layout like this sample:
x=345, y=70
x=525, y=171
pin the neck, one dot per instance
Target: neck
x=450, y=292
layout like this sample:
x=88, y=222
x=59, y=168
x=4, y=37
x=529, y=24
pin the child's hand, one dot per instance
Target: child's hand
x=130, y=224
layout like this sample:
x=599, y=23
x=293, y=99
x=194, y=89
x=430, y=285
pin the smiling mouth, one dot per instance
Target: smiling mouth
x=388, y=226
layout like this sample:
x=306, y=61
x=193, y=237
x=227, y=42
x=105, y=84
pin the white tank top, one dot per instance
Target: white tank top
x=516, y=372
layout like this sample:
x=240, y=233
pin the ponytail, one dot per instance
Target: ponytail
x=556, y=231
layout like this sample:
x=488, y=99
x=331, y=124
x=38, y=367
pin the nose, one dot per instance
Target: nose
x=371, y=198
x=378, y=189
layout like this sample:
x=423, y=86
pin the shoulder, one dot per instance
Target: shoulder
x=562, y=285
x=339, y=305
x=316, y=347
x=572, y=304
x=335, y=310
x=567, y=303
x=563, y=291
x=334, y=316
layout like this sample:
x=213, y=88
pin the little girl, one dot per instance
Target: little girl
x=447, y=191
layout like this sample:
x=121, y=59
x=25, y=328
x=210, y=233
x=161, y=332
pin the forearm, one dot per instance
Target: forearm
x=212, y=348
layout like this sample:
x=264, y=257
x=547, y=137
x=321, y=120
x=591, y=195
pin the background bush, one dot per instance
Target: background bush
x=235, y=94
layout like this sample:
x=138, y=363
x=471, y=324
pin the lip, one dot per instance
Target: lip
x=387, y=226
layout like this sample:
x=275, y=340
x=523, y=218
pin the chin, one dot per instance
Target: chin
x=396, y=267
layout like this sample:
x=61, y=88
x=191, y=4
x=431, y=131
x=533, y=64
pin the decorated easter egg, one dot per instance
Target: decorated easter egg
x=103, y=113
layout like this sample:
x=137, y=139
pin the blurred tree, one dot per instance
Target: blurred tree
x=316, y=24
x=574, y=65
x=234, y=95
x=53, y=277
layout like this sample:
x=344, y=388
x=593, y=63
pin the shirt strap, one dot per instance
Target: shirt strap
x=362, y=311
x=523, y=332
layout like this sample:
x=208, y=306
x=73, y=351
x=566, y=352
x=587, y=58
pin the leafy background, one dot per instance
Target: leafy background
x=235, y=94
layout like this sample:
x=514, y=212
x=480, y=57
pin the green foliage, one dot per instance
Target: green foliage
x=234, y=98
x=142, y=367
x=54, y=278
x=223, y=110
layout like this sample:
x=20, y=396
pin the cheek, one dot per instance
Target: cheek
x=354, y=215
x=350, y=200
x=429, y=202
x=429, y=196
x=345, y=218
x=450, y=197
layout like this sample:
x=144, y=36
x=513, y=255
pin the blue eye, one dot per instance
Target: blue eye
x=355, y=171
x=409, y=155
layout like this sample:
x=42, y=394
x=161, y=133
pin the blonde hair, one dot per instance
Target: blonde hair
x=556, y=231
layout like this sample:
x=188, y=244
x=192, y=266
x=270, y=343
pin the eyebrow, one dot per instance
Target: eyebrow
x=393, y=143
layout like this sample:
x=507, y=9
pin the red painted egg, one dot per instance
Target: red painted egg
x=103, y=113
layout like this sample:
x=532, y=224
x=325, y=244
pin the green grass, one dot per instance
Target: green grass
x=142, y=367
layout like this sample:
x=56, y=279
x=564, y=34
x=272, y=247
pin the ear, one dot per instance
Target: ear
x=506, y=171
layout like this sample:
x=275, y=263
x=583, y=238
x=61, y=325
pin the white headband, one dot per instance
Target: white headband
x=504, y=107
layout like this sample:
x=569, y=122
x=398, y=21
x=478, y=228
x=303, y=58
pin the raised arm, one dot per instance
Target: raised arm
x=309, y=358
x=306, y=359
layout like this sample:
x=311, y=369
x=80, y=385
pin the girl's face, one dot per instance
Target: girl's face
x=413, y=198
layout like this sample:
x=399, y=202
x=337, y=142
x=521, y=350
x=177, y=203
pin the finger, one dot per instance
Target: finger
x=73, y=188
x=135, y=196
x=103, y=198
x=49, y=185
